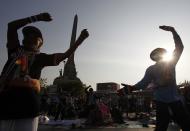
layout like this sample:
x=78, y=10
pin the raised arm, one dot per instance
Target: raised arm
x=12, y=35
x=58, y=57
x=178, y=43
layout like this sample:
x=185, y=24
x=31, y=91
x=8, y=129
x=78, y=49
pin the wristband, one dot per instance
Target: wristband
x=30, y=19
x=33, y=18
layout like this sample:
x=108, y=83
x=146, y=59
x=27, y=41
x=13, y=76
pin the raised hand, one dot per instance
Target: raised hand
x=167, y=28
x=44, y=17
x=84, y=34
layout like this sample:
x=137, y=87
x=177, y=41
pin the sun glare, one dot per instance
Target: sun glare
x=168, y=56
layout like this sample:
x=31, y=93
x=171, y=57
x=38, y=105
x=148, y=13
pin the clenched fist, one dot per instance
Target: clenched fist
x=167, y=28
x=84, y=34
x=44, y=17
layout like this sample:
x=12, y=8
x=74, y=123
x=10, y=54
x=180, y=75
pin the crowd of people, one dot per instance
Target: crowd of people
x=100, y=110
x=89, y=106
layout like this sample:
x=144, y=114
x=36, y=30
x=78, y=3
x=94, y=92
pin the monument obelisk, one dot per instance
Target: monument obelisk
x=68, y=80
x=69, y=68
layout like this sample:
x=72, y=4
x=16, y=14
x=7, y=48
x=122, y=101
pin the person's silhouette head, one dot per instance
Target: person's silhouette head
x=157, y=54
x=33, y=39
x=91, y=90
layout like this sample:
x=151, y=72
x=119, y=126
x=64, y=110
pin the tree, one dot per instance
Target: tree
x=184, y=84
x=74, y=87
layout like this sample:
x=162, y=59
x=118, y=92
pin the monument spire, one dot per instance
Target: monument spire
x=69, y=68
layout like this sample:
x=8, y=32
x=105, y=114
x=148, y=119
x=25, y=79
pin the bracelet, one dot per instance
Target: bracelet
x=30, y=19
x=33, y=18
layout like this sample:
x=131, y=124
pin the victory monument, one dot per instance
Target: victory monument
x=68, y=77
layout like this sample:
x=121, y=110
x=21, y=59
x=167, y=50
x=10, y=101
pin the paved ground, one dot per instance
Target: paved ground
x=51, y=128
x=62, y=128
x=129, y=126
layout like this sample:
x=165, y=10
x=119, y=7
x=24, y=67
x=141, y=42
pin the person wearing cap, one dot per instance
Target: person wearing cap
x=162, y=76
x=19, y=97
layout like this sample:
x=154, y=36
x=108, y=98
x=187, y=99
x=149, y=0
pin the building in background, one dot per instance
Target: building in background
x=108, y=92
x=108, y=87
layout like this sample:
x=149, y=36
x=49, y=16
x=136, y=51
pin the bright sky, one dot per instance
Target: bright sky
x=122, y=35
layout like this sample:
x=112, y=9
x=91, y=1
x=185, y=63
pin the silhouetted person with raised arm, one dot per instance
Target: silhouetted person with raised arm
x=163, y=76
x=19, y=98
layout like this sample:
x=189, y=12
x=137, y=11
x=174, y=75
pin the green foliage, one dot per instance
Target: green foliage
x=74, y=87
x=186, y=83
